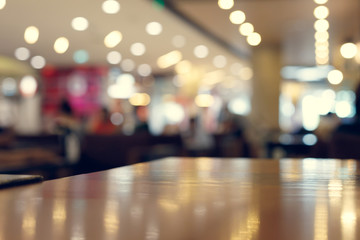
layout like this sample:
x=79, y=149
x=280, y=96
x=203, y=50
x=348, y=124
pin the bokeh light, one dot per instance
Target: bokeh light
x=144, y=70
x=348, y=50
x=81, y=56
x=113, y=39
x=246, y=29
x=31, y=34
x=201, y=51
x=38, y=62
x=9, y=86
x=254, y=39
x=225, y=4
x=127, y=65
x=154, y=28
x=111, y=6
x=61, y=45
x=22, y=53
x=138, y=49
x=178, y=41
x=335, y=77
x=28, y=86
x=2, y=4
x=321, y=12
x=140, y=99
x=204, y=100
x=220, y=61
x=113, y=57
x=80, y=24
x=237, y=17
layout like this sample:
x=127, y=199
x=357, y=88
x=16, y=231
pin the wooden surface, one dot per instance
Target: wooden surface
x=185, y=199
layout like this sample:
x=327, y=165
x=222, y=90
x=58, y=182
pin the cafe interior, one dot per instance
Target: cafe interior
x=93, y=85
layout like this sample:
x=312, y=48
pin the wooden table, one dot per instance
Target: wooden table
x=192, y=198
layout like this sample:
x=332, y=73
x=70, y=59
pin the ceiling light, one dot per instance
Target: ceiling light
x=237, y=17
x=2, y=4
x=61, y=45
x=79, y=24
x=38, y=62
x=321, y=12
x=144, y=70
x=225, y=4
x=127, y=65
x=113, y=57
x=31, y=34
x=219, y=61
x=22, y=53
x=254, y=39
x=154, y=28
x=235, y=68
x=246, y=29
x=111, y=6
x=113, y=39
x=178, y=41
x=81, y=56
x=348, y=50
x=320, y=1
x=169, y=59
x=137, y=49
x=201, y=51
x=335, y=77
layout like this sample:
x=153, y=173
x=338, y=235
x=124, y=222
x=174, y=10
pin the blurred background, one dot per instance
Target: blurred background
x=86, y=86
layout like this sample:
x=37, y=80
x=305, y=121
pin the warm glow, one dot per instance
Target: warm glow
x=79, y=24
x=22, y=53
x=246, y=29
x=169, y=59
x=113, y=57
x=123, y=88
x=321, y=25
x=226, y=4
x=61, y=45
x=154, y=28
x=201, y=51
x=348, y=50
x=28, y=86
x=2, y=4
x=38, y=62
x=144, y=70
x=254, y=39
x=113, y=39
x=183, y=67
x=335, y=77
x=138, y=49
x=237, y=17
x=31, y=34
x=204, y=100
x=140, y=99
x=111, y=6
x=322, y=60
x=321, y=12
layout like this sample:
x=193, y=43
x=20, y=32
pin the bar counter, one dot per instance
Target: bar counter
x=192, y=198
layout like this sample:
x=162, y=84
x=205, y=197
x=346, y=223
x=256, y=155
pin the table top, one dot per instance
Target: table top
x=192, y=198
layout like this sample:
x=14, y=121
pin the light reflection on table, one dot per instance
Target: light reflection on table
x=192, y=198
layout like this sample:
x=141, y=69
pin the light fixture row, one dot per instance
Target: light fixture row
x=238, y=17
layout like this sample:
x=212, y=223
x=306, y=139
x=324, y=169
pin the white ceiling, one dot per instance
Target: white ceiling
x=287, y=24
